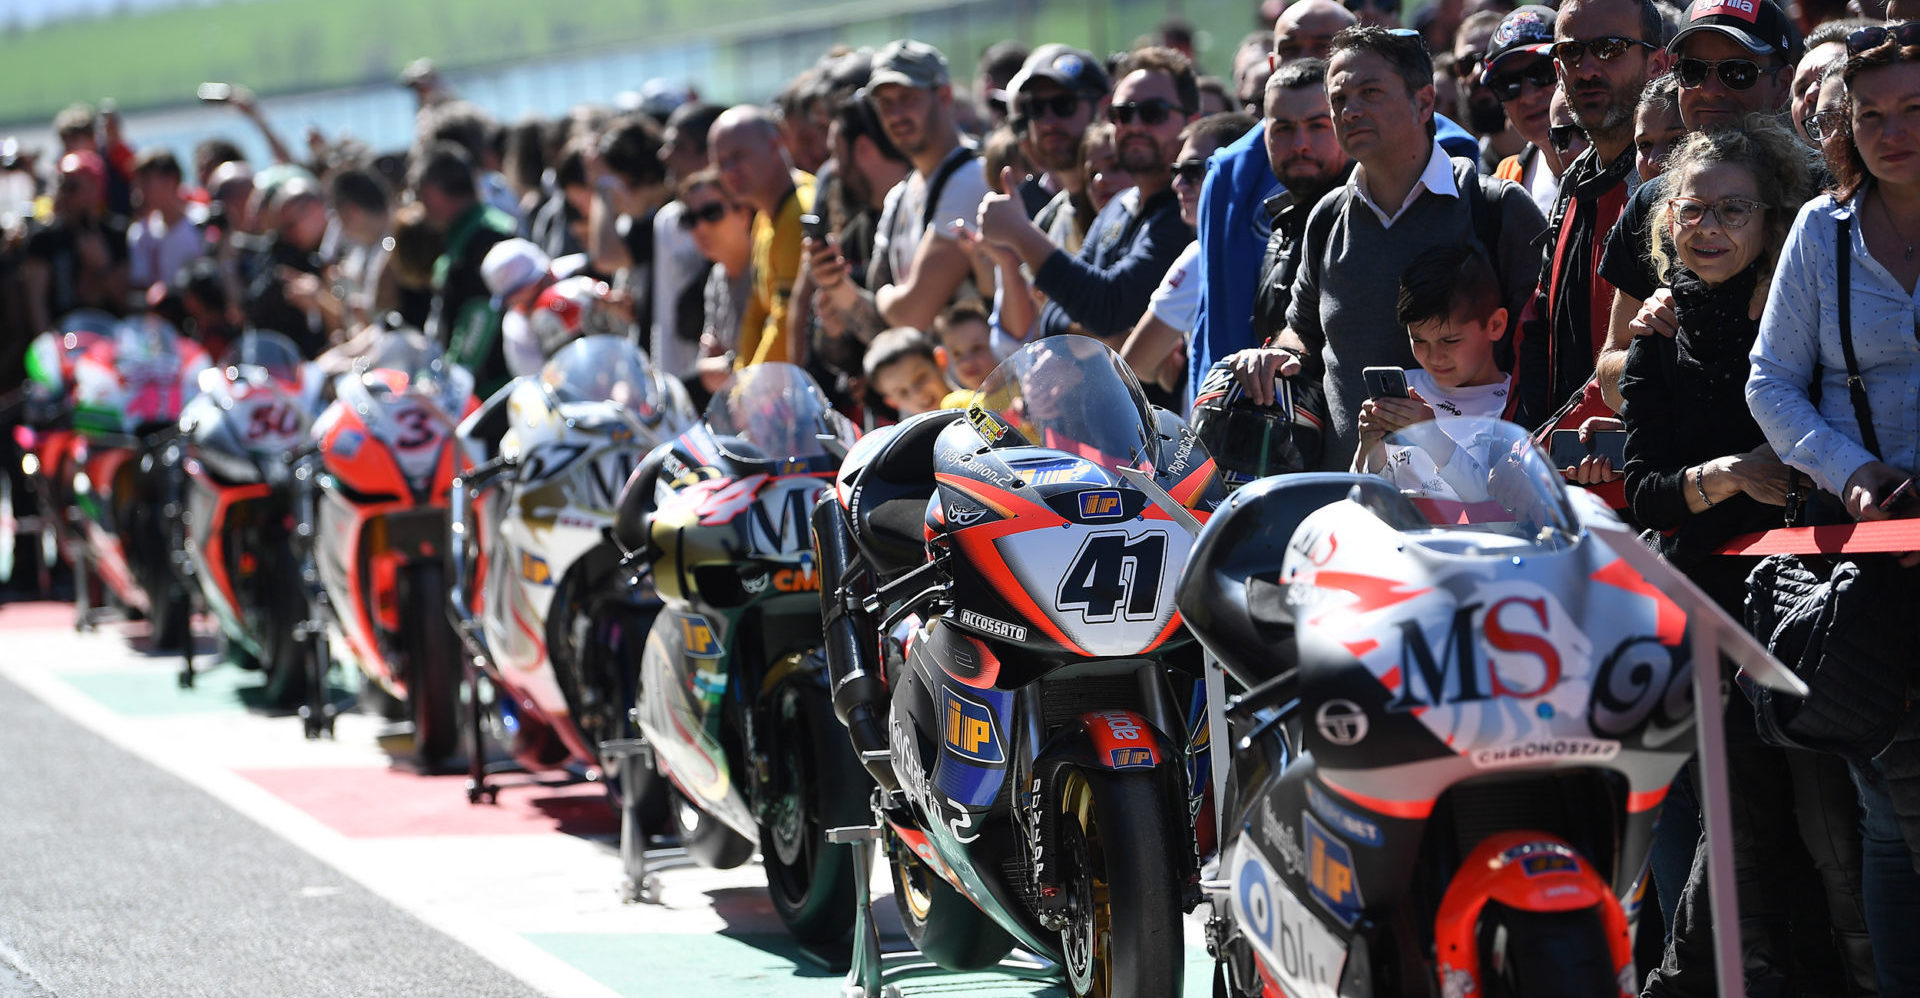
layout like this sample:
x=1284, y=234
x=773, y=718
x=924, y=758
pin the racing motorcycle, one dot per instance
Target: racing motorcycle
x=1461, y=714
x=254, y=408
x=734, y=699
x=377, y=498
x=537, y=596
x=1040, y=730
x=42, y=411
x=128, y=391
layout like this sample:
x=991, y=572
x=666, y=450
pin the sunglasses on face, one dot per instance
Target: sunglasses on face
x=1561, y=137
x=1872, y=37
x=1057, y=106
x=1193, y=171
x=1356, y=6
x=1569, y=53
x=1467, y=65
x=1150, y=112
x=1508, y=86
x=711, y=212
x=1822, y=125
x=1737, y=74
x=1731, y=213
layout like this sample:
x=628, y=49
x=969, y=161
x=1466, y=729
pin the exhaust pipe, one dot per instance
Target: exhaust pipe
x=860, y=697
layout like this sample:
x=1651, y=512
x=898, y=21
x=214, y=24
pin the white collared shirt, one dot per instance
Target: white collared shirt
x=1437, y=177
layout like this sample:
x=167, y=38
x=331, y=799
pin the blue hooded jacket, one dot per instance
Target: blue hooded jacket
x=1233, y=229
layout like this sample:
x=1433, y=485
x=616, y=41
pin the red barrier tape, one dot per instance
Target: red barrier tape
x=1841, y=538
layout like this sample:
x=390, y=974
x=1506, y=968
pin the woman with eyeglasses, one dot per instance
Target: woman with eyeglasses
x=1699, y=472
x=1845, y=297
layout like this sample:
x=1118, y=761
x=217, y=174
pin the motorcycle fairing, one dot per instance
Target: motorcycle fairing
x=1293, y=944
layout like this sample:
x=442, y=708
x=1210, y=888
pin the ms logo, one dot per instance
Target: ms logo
x=699, y=637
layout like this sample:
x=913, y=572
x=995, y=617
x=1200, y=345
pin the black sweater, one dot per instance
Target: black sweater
x=1685, y=405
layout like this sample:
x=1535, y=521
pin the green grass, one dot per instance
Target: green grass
x=286, y=46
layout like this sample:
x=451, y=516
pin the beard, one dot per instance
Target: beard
x=1142, y=155
x=1483, y=117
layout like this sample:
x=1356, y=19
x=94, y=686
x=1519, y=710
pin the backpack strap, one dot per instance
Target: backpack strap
x=1856, y=385
x=937, y=184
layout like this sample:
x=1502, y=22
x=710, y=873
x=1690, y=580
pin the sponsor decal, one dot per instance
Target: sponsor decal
x=533, y=568
x=757, y=584
x=1100, y=504
x=699, y=638
x=1341, y=722
x=1283, y=839
x=797, y=580
x=1541, y=865
x=1059, y=472
x=1121, y=731
x=997, y=628
x=1746, y=10
x=1296, y=946
x=964, y=514
x=347, y=443
x=1330, y=875
x=1538, y=750
x=1518, y=627
x=1130, y=758
x=987, y=425
x=969, y=731
x=961, y=825
x=1343, y=821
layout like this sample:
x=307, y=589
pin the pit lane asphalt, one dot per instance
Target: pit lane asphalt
x=118, y=878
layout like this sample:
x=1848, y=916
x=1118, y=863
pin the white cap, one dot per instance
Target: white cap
x=511, y=265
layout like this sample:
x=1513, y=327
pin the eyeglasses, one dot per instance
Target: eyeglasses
x=1057, y=106
x=1150, y=112
x=1873, y=36
x=1611, y=47
x=1822, y=125
x=1468, y=64
x=1737, y=74
x=1561, y=137
x=1731, y=213
x=711, y=212
x=1508, y=86
x=1193, y=171
x=1356, y=6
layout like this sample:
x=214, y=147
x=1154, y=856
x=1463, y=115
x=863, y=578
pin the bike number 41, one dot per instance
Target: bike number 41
x=1114, y=574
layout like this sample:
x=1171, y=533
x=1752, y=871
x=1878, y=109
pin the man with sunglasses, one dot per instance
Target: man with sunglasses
x=1519, y=73
x=1733, y=58
x=1480, y=110
x=1605, y=51
x=1055, y=96
x=1135, y=238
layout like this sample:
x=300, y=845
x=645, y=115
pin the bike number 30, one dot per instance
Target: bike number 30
x=1112, y=575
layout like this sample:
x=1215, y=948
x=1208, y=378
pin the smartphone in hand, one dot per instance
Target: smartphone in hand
x=1899, y=499
x=1567, y=450
x=813, y=227
x=1385, y=382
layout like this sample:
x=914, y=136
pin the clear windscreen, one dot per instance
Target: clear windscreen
x=780, y=411
x=407, y=361
x=261, y=356
x=1477, y=474
x=1069, y=393
x=606, y=368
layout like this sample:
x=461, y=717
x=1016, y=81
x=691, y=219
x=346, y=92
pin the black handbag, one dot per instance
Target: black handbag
x=1845, y=626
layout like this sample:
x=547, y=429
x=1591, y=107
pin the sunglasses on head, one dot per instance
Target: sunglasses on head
x=1057, y=106
x=1606, y=49
x=1872, y=37
x=1507, y=86
x=1150, y=112
x=1193, y=171
x=1561, y=137
x=711, y=212
x=1737, y=74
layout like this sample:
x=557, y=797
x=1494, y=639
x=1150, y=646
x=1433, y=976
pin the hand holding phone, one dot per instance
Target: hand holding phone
x=1899, y=499
x=1385, y=382
x=813, y=227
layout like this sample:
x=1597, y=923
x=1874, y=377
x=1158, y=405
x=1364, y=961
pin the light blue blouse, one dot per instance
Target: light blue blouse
x=1800, y=337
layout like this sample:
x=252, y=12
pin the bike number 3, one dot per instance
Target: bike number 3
x=1113, y=574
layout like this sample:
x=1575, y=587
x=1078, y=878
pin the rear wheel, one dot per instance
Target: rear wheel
x=285, y=661
x=810, y=879
x=1123, y=937
x=942, y=924
x=707, y=839
x=433, y=665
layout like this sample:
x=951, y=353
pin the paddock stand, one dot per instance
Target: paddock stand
x=627, y=757
x=876, y=974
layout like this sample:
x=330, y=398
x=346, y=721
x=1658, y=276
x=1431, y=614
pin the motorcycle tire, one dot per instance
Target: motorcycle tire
x=1536, y=954
x=1125, y=940
x=286, y=660
x=809, y=878
x=941, y=923
x=433, y=665
x=707, y=840
x=172, y=617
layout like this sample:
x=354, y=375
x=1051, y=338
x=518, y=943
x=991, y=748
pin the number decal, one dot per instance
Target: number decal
x=550, y=460
x=1109, y=572
x=416, y=429
x=274, y=419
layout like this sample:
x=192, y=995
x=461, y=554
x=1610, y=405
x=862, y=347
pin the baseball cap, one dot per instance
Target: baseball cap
x=1760, y=26
x=1072, y=68
x=512, y=265
x=909, y=63
x=1526, y=29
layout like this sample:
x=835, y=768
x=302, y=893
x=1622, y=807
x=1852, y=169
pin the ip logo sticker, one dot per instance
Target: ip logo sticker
x=1100, y=504
x=969, y=731
x=1330, y=873
x=700, y=639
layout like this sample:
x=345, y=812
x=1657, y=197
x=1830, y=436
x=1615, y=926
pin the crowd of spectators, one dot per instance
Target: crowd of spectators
x=1609, y=215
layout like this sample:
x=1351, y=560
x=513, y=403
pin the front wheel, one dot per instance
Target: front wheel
x=941, y=922
x=433, y=665
x=810, y=879
x=1123, y=938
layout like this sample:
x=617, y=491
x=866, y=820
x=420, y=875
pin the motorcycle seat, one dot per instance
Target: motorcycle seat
x=893, y=491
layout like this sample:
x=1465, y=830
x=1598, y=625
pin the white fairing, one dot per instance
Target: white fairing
x=1060, y=567
x=1292, y=942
